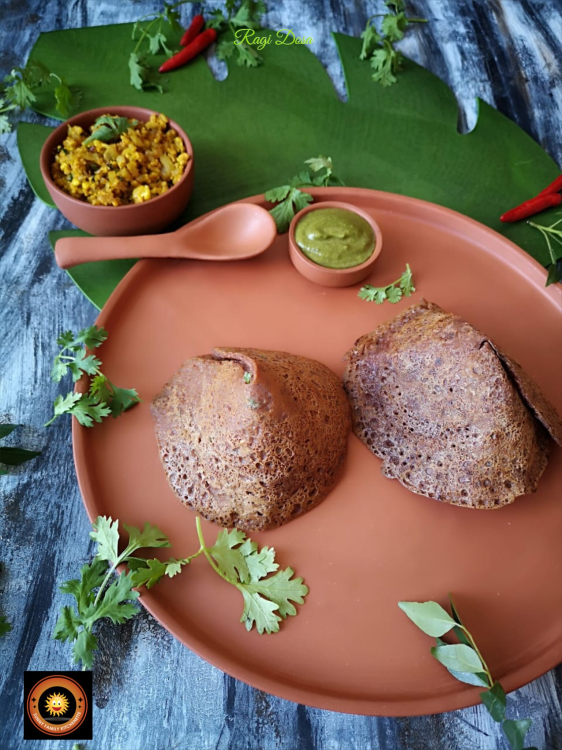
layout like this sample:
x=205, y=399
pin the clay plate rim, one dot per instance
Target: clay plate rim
x=462, y=696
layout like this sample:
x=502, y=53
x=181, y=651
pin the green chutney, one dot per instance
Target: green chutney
x=335, y=237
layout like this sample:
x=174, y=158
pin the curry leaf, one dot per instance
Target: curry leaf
x=495, y=701
x=429, y=617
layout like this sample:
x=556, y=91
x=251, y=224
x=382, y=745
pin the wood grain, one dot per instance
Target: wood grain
x=150, y=691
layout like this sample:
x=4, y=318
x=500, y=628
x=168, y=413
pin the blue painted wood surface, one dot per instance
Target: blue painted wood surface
x=151, y=693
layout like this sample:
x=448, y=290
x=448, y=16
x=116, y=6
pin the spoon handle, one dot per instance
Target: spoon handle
x=71, y=251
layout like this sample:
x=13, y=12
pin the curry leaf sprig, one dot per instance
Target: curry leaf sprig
x=465, y=662
x=552, y=235
x=103, y=397
x=12, y=456
x=290, y=200
x=152, y=34
x=96, y=597
x=268, y=599
x=239, y=15
x=378, y=45
x=16, y=91
x=402, y=287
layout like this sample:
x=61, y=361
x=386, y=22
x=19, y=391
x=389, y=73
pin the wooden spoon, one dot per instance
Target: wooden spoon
x=235, y=232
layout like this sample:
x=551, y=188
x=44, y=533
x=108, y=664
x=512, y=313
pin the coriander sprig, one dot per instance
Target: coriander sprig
x=154, y=37
x=290, y=200
x=239, y=15
x=95, y=599
x=554, y=235
x=103, y=397
x=465, y=662
x=16, y=91
x=268, y=599
x=386, y=61
x=402, y=287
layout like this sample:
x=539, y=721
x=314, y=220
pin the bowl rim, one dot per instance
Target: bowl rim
x=60, y=132
x=341, y=272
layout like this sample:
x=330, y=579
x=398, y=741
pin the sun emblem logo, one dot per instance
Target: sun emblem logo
x=56, y=704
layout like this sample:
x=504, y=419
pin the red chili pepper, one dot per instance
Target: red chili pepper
x=534, y=206
x=194, y=30
x=200, y=43
x=554, y=187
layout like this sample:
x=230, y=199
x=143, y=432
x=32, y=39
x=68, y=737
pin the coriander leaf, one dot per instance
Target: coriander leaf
x=5, y=626
x=83, y=363
x=429, y=617
x=16, y=456
x=35, y=73
x=302, y=179
x=84, y=647
x=19, y=94
x=108, y=128
x=150, y=536
x=87, y=411
x=284, y=212
x=230, y=561
x=259, y=611
x=370, y=38
x=91, y=337
x=106, y=535
x=141, y=76
x=319, y=162
x=242, y=18
x=172, y=16
x=383, y=63
x=158, y=41
x=515, y=731
x=7, y=429
x=495, y=701
x=66, y=339
x=149, y=574
x=459, y=657
x=65, y=405
x=215, y=20
x=101, y=387
x=394, y=294
x=91, y=576
x=247, y=378
x=5, y=125
x=393, y=26
x=397, y=5
x=248, y=56
x=68, y=625
x=112, y=603
x=173, y=566
x=407, y=286
x=65, y=99
x=122, y=399
x=260, y=563
x=59, y=370
x=225, y=49
x=279, y=589
x=277, y=194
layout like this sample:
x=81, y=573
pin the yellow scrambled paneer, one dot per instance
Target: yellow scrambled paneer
x=148, y=159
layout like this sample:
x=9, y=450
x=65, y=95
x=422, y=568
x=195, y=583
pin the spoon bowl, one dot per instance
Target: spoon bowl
x=235, y=232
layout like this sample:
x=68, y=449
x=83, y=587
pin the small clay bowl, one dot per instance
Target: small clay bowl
x=333, y=276
x=135, y=218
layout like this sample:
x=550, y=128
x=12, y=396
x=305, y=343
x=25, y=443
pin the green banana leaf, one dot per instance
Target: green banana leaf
x=253, y=130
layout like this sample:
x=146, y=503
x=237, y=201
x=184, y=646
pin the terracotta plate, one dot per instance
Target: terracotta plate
x=371, y=543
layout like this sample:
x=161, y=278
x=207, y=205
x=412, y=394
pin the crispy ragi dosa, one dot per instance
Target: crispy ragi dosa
x=452, y=417
x=251, y=438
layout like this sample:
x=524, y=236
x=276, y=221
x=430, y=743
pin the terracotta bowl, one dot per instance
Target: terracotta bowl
x=135, y=218
x=333, y=276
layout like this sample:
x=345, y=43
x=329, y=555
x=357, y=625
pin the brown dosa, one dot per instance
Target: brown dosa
x=251, y=438
x=452, y=417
